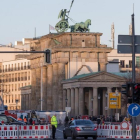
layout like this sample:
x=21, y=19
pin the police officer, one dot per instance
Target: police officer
x=54, y=125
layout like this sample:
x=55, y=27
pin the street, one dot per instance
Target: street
x=59, y=134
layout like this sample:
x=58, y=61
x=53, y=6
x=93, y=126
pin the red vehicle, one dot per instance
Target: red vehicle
x=85, y=117
x=10, y=114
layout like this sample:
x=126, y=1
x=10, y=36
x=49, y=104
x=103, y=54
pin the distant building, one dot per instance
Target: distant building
x=14, y=73
x=125, y=60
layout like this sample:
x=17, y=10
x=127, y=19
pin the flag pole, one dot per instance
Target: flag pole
x=49, y=28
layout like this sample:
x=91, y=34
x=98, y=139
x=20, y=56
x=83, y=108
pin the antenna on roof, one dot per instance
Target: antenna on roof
x=35, y=32
x=133, y=8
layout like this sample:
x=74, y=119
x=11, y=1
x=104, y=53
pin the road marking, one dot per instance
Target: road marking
x=60, y=130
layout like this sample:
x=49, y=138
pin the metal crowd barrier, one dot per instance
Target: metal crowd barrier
x=115, y=131
x=24, y=132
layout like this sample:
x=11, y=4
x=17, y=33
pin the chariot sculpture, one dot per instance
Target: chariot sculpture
x=63, y=24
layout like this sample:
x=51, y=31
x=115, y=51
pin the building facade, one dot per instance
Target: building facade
x=70, y=52
x=125, y=60
x=14, y=75
x=14, y=72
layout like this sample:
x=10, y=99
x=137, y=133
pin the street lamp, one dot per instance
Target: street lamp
x=66, y=101
x=91, y=105
x=16, y=103
x=99, y=103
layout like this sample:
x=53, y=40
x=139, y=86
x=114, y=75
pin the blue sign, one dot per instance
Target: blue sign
x=134, y=110
x=113, y=99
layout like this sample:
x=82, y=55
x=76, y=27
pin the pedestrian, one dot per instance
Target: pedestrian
x=25, y=119
x=31, y=121
x=75, y=117
x=19, y=119
x=66, y=121
x=54, y=125
x=98, y=120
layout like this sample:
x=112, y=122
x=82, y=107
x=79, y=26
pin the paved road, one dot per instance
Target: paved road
x=59, y=134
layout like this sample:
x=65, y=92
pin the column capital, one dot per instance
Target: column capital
x=95, y=87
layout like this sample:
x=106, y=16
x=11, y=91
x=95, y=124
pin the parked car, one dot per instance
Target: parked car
x=80, y=128
x=8, y=120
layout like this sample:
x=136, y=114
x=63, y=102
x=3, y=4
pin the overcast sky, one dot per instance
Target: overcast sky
x=20, y=17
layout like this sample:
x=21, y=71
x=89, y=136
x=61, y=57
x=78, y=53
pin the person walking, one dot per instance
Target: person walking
x=25, y=119
x=19, y=119
x=31, y=121
x=54, y=125
x=66, y=121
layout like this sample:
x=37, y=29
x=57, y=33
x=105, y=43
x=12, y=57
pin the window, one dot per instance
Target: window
x=130, y=63
x=18, y=87
x=137, y=61
x=83, y=122
x=122, y=63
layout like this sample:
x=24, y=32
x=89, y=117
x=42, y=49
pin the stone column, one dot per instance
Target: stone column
x=44, y=88
x=33, y=95
x=104, y=102
x=90, y=102
x=76, y=102
x=102, y=66
x=109, y=89
x=61, y=76
x=69, y=98
x=27, y=100
x=95, y=101
x=81, y=101
x=72, y=102
x=55, y=90
x=49, y=87
x=22, y=102
x=64, y=98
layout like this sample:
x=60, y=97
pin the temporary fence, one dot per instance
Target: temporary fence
x=123, y=131
x=24, y=131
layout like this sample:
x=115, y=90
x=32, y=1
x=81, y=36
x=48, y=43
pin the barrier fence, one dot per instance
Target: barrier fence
x=24, y=131
x=116, y=131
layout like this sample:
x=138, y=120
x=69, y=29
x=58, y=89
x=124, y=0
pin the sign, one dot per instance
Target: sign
x=134, y=109
x=115, y=100
x=124, y=125
x=106, y=108
x=128, y=49
x=68, y=109
x=125, y=44
x=127, y=39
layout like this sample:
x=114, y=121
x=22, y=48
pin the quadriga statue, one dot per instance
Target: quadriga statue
x=81, y=27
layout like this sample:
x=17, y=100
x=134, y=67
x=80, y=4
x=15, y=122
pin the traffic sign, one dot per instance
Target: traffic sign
x=114, y=100
x=128, y=49
x=134, y=109
x=127, y=39
x=124, y=125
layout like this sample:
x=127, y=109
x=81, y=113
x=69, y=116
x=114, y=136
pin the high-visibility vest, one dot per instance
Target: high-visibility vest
x=19, y=119
x=54, y=121
x=25, y=120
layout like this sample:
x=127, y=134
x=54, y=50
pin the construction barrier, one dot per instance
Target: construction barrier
x=117, y=131
x=24, y=131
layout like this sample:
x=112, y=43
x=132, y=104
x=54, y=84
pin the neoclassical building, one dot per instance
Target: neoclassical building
x=72, y=54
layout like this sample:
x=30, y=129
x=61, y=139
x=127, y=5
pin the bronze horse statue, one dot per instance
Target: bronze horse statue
x=81, y=27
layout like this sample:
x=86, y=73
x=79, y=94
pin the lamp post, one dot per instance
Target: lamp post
x=16, y=103
x=66, y=101
x=99, y=103
x=91, y=105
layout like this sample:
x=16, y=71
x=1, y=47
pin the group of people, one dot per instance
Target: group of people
x=25, y=119
x=31, y=121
